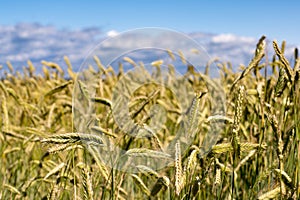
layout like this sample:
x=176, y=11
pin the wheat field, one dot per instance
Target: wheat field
x=44, y=156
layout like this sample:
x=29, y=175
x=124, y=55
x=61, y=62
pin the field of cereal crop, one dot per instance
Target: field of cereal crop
x=256, y=156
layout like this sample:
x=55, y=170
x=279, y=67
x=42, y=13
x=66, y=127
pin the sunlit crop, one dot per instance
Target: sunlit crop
x=256, y=157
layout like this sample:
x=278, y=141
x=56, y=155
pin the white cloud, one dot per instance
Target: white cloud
x=227, y=38
x=112, y=33
x=26, y=41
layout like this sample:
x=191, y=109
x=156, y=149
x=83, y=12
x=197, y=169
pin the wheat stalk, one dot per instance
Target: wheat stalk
x=68, y=138
x=236, y=121
x=147, y=171
x=259, y=54
x=178, y=169
x=143, y=152
x=281, y=82
x=53, y=66
x=270, y=194
x=218, y=177
x=284, y=61
x=12, y=189
x=141, y=184
x=87, y=183
x=192, y=161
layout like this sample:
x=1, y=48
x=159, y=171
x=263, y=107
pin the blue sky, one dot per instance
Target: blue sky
x=276, y=19
x=47, y=30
